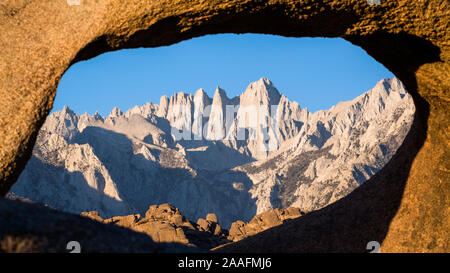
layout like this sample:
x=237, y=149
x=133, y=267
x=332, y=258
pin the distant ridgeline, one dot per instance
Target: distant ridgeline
x=235, y=157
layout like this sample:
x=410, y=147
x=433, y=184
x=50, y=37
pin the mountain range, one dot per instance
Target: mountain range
x=236, y=157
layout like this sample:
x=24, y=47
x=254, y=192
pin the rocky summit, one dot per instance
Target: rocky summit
x=236, y=157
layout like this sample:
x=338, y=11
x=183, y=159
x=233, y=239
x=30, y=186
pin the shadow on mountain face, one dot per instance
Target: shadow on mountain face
x=200, y=151
x=28, y=227
x=141, y=182
x=70, y=193
x=201, y=159
x=338, y=227
x=162, y=124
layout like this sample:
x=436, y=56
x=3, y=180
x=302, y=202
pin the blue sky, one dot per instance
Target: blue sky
x=315, y=72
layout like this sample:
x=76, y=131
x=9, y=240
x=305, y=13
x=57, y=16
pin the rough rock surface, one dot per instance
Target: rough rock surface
x=406, y=204
x=165, y=224
x=271, y=218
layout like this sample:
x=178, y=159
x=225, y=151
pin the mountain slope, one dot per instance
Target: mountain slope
x=335, y=151
x=235, y=157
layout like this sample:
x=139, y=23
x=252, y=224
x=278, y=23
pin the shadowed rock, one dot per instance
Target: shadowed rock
x=30, y=227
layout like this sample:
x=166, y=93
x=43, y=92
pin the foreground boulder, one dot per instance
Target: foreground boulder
x=30, y=227
x=163, y=229
x=165, y=224
x=211, y=224
x=271, y=218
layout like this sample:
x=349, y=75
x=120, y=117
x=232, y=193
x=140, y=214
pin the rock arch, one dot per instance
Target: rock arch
x=405, y=206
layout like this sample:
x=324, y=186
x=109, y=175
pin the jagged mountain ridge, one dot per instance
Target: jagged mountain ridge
x=120, y=164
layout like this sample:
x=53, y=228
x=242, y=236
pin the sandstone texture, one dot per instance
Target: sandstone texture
x=271, y=218
x=405, y=206
x=165, y=224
